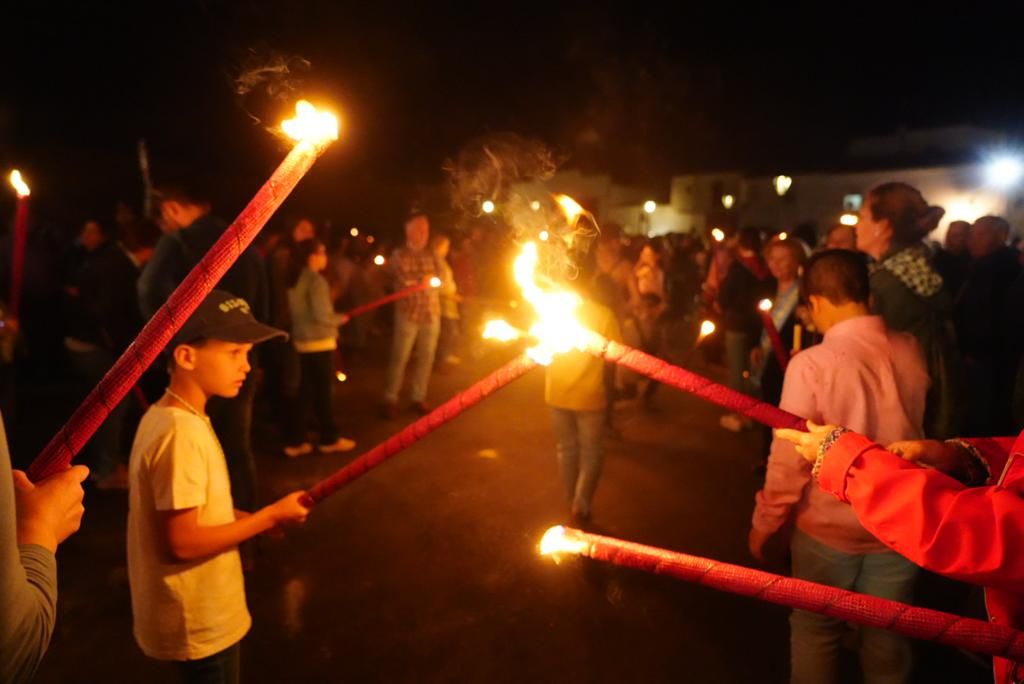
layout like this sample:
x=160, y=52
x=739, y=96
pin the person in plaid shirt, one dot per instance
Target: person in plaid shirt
x=417, y=317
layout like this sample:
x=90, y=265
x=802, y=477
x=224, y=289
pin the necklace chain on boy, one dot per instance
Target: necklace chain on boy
x=180, y=399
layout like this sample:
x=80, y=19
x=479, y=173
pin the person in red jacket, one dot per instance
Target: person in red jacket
x=955, y=507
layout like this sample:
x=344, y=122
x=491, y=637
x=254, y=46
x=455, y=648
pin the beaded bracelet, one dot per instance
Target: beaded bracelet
x=823, y=448
x=979, y=473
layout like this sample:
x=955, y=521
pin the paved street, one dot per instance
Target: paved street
x=426, y=569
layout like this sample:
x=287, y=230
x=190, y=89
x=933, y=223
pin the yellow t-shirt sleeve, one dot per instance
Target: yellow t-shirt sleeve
x=178, y=473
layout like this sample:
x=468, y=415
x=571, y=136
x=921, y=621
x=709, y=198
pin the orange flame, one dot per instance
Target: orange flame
x=311, y=125
x=559, y=540
x=570, y=206
x=501, y=331
x=557, y=329
x=19, y=184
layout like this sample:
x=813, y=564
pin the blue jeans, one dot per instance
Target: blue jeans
x=408, y=335
x=580, y=438
x=885, y=656
x=220, y=668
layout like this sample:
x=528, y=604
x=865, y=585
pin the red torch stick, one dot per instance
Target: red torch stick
x=314, y=131
x=393, y=297
x=694, y=383
x=419, y=429
x=781, y=354
x=20, y=240
x=920, y=623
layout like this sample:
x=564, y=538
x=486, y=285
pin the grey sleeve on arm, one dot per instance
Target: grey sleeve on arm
x=28, y=589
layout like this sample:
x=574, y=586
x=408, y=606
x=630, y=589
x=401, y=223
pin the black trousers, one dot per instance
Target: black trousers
x=315, y=394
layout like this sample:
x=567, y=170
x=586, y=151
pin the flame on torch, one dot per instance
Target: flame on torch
x=570, y=206
x=706, y=328
x=379, y=260
x=19, y=184
x=765, y=305
x=718, y=234
x=435, y=282
x=311, y=125
x=501, y=331
x=557, y=541
x=556, y=329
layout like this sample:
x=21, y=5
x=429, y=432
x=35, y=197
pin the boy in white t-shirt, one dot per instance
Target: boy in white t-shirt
x=188, y=596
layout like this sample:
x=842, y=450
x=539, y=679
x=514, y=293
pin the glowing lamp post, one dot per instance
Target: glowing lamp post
x=782, y=184
x=1004, y=171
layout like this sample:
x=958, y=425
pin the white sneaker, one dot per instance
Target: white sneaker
x=300, y=450
x=342, y=444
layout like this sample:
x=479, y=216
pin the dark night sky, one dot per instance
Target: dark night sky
x=613, y=87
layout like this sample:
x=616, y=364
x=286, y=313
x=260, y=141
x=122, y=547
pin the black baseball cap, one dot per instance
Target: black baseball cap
x=223, y=316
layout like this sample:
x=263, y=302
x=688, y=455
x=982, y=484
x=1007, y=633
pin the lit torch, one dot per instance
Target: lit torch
x=419, y=429
x=557, y=331
x=312, y=130
x=430, y=283
x=501, y=331
x=848, y=606
x=764, y=309
x=21, y=189
x=707, y=328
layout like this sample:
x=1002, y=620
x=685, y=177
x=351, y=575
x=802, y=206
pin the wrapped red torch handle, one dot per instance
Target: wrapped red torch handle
x=393, y=297
x=694, y=383
x=920, y=623
x=419, y=429
x=314, y=131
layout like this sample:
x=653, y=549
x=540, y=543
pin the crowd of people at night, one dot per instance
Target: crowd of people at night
x=904, y=354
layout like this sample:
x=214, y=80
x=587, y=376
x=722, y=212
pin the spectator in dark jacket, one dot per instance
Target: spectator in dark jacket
x=952, y=260
x=746, y=282
x=908, y=294
x=981, y=326
x=193, y=229
x=101, y=321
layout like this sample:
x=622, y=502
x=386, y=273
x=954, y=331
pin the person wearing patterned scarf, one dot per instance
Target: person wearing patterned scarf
x=907, y=291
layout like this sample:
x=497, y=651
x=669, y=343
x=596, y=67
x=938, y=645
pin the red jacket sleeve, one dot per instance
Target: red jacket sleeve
x=971, y=534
